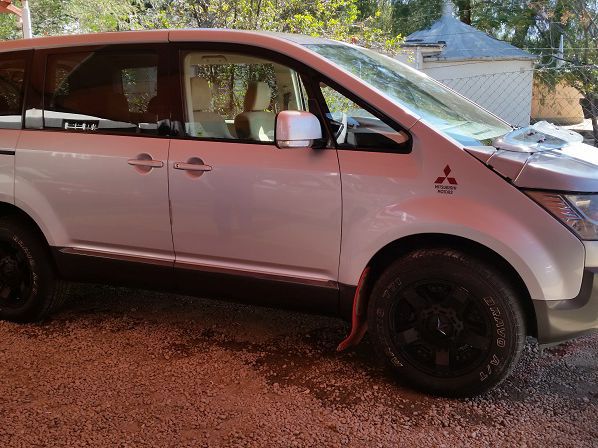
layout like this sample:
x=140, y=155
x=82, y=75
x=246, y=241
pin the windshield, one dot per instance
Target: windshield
x=437, y=105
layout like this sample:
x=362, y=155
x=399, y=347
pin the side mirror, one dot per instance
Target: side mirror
x=296, y=129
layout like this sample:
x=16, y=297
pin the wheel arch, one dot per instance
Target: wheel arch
x=8, y=209
x=389, y=253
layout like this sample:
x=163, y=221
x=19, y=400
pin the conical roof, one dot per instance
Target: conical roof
x=463, y=41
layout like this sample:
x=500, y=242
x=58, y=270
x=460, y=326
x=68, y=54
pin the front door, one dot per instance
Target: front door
x=243, y=210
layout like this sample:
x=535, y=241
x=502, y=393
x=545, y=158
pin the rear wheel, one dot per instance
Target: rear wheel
x=447, y=322
x=29, y=290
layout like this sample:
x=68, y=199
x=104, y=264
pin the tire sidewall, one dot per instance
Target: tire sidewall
x=495, y=298
x=24, y=241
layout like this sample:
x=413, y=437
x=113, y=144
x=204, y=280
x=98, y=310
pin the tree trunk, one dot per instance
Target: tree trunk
x=464, y=11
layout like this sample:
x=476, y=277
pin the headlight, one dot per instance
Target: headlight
x=578, y=211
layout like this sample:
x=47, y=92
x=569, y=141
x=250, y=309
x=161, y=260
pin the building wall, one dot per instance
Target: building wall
x=557, y=104
x=502, y=87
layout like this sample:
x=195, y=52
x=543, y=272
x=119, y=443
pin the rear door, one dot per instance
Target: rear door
x=91, y=163
x=254, y=215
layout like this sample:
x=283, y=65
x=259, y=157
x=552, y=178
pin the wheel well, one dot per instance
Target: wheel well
x=7, y=209
x=389, y=253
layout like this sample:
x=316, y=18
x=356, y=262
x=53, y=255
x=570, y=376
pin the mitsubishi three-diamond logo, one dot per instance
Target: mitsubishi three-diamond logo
x=451, y=182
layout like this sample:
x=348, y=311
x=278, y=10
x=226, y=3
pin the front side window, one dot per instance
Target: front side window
x=110, y=91
x=353, y=127
x=12, y=74
x=231, y=96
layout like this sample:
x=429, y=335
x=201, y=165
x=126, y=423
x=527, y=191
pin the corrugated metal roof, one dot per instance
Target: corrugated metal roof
x=465, y=42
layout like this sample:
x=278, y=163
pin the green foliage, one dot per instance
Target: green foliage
x=366, y=22
x=409, y=16
x=332, y=19
x=50, y=17
x=372, y=23
x=9, y=27
x=105, y=15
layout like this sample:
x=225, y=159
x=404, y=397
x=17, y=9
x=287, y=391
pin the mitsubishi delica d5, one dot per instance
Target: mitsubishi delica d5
x=301, y=172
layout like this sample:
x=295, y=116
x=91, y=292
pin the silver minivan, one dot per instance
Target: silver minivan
x=293, y=171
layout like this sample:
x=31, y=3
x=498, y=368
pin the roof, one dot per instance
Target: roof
x=159, y=36
x=464, y=42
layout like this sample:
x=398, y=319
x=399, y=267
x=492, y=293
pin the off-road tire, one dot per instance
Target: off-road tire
x=447, y=322
x=29, y=289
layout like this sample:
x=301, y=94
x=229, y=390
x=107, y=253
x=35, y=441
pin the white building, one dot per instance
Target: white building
x=493, y=73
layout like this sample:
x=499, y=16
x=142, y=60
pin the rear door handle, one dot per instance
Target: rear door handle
x=147, y=163
x=192, y=167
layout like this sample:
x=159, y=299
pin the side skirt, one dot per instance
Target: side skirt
x=265, y=290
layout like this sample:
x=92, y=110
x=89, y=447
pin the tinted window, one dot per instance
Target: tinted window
x=110, y=91
x=12, y=73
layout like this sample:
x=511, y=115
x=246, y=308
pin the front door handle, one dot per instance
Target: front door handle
x=192, y=166
x=146, y=163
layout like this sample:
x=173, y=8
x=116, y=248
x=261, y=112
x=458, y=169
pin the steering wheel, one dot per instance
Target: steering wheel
x=341, y=134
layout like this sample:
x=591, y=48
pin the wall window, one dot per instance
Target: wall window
x=12, y=74
x=109, y=91
x=356, y=128
x=235, y=96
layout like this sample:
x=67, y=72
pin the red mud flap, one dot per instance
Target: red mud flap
x=358, y=319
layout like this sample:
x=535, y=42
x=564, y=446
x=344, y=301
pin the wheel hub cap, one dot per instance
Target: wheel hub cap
x=441, y=327
x=9, y=270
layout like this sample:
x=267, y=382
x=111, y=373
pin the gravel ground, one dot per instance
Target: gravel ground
x=120, y=367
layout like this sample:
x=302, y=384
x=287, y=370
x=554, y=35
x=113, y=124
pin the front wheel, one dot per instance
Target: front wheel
x=446, y=322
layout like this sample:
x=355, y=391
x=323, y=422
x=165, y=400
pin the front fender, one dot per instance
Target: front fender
x=548, y=257
x=387, y=197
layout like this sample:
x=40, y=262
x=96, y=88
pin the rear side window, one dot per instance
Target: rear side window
x=105, y=91
x=12, y=74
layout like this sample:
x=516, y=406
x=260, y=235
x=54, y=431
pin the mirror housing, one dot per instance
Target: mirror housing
x=296, y=129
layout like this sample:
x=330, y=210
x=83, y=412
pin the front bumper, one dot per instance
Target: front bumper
x=561, y=320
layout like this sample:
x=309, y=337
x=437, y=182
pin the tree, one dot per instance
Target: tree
x=577, y=22
x=51, y=17
x=365, y=21
x=582, y=70
x=533, y=24
x=409, y=16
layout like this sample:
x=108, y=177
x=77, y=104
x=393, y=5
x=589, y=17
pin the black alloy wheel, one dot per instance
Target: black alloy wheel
x=440, y=328
x=29, y=289
x=16, y=277
x=447, y=322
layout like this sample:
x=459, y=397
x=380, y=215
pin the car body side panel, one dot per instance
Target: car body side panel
x=8, y=143
x=82, y=192
x=385, y=196
x=259, y=210
x=390, y=196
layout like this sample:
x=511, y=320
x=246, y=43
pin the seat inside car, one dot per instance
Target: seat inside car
x=207, y=123
x=255, y=123
x=101, y=102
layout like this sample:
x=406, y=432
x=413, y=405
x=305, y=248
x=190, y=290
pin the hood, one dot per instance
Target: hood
x=543, y=156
